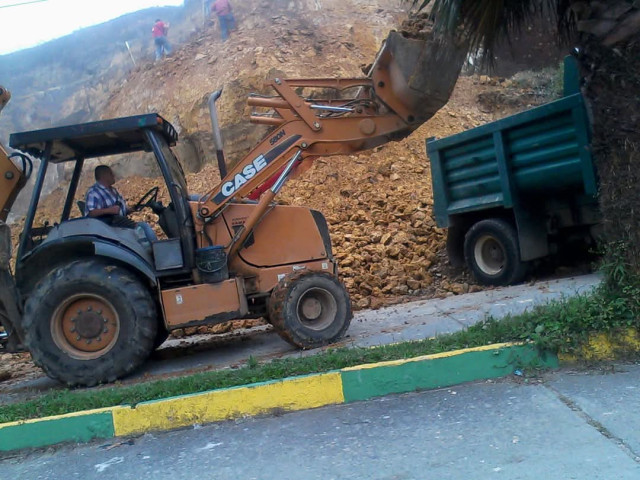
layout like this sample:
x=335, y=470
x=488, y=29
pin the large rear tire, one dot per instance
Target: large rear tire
x=310, y=309
x=89, y=322
x=492, y=253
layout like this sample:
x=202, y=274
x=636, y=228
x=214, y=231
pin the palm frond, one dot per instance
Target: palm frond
x=486, y=23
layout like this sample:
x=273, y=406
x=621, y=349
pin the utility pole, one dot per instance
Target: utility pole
x=130, y=54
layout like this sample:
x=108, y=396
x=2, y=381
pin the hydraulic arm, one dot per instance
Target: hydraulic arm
x=408, y=83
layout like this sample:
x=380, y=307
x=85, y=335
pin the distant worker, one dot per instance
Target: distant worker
x=225, y=15
x=159, y=32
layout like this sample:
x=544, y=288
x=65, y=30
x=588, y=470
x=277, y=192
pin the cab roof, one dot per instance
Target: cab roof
x=94, y=139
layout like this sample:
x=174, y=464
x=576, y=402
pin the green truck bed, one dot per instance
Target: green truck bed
x=541, y=152
x=518, y=189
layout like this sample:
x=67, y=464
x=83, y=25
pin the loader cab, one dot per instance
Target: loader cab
x=41, y=245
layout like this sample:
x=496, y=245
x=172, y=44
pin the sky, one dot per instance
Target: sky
x=27, y=25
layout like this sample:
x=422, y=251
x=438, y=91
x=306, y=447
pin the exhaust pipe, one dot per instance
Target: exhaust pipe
x=217, y=134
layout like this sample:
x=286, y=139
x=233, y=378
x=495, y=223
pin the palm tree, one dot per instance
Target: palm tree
x=606, y=34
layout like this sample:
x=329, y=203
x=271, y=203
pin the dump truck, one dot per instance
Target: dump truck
x=517, y=189
x=90, y=300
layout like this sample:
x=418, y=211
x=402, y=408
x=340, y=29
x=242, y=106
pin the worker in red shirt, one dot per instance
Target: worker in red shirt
x=225, y=15
x=159, y=34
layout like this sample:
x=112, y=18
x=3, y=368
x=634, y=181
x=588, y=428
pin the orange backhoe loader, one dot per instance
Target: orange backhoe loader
x=90, y=300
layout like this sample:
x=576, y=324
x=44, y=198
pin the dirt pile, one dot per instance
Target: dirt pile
x=417, y=26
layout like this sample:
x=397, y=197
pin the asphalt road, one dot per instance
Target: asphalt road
x=408, y=321
x=570, y=425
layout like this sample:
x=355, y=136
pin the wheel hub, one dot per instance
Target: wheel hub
x=317, y=308
x=311, y=308
x=85, y=326
x=88, y=324
x=489, y=255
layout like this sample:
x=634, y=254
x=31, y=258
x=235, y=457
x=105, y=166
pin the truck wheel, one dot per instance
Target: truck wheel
x=492, y=252
x=310, y=309
x=89, y=322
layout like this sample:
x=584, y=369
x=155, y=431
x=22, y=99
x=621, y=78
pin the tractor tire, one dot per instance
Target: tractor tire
x=89, y=322
x=310, y=309
x=492, y=253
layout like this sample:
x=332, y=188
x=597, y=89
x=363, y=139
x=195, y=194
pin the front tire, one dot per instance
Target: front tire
x=310, y=310
x=89, y=322
x=492, y=253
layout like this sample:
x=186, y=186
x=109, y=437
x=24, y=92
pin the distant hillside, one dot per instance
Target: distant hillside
x=69, y=79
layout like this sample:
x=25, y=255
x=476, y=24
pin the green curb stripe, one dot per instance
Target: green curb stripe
x=364, y=383
x=49, y=431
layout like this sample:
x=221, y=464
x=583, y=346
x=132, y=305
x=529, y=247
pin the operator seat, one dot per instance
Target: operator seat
x=143, y=230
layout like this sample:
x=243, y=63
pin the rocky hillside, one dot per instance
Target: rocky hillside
x=274, y=38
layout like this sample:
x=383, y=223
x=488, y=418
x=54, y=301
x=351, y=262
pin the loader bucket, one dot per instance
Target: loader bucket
x=415, y=76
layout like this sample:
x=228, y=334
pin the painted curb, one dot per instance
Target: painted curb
x=291, y=394
x=297, y=393
x=41, y=432
x=604, y=347
x=437, y=371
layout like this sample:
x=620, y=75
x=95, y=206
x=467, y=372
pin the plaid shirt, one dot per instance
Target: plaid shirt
x=99, y=196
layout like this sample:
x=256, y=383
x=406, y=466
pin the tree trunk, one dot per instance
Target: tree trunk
x=610, y=62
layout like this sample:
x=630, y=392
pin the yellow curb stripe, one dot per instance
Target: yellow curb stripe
x=434, y=356
x=605, y=346
x=291, y=394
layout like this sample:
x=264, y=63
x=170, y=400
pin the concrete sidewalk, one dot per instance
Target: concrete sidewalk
x=570, y=425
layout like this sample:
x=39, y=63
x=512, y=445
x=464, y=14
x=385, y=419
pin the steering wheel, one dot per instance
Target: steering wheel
x=148, y=199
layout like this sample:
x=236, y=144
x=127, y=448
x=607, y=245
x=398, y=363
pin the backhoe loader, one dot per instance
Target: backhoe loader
x=90, y=301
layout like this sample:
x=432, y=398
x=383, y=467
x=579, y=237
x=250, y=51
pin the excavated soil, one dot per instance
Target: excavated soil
x=378, y=204
x=418, y=26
